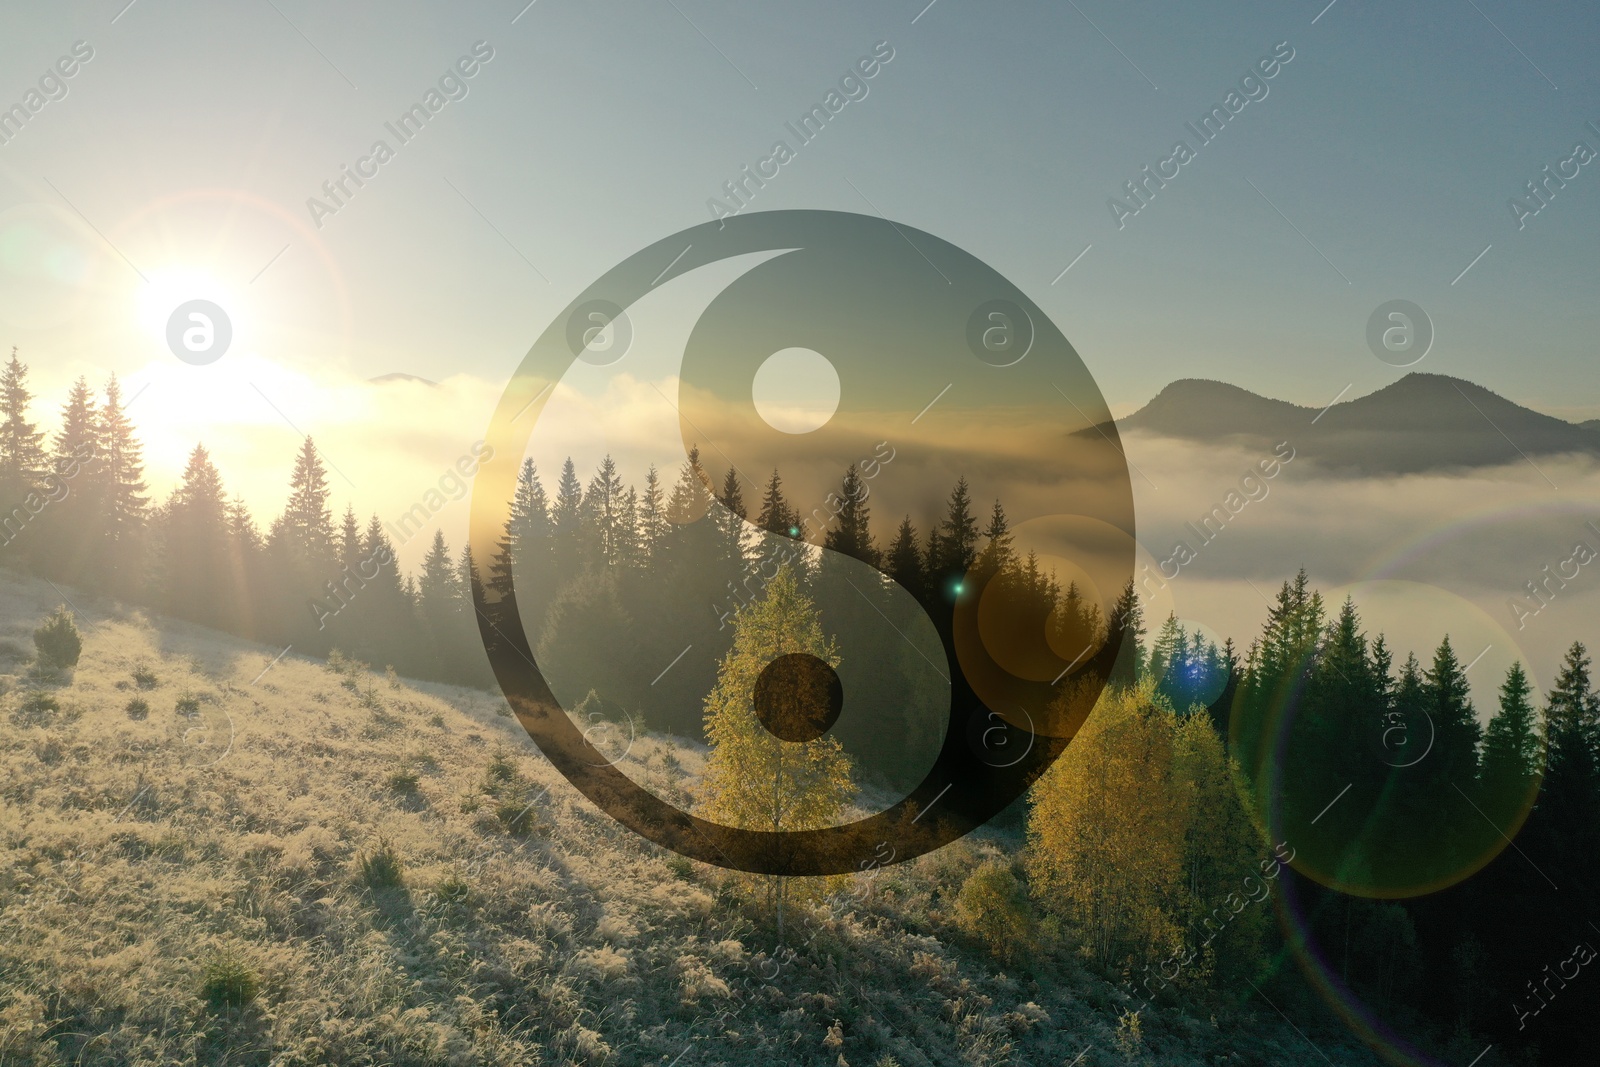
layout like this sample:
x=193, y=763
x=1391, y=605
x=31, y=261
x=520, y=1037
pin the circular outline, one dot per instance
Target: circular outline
x=224, y=331
x=1033, y=333
x=1433, y=333
x=828, y=850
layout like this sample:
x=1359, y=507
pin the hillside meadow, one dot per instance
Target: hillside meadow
x=208, y=857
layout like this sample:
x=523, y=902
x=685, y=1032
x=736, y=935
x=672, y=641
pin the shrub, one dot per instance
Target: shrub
x=57, y=641
x=188, y=706
x=404, y=781
x=502, y=768
x=518, y=818
x=138, y=708
x=381, y=868
x=144, y=677
x=993, y=909
x=228, y=981
x=36, y=709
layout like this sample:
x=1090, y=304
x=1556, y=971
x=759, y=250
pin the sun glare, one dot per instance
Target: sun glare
x=171, y=287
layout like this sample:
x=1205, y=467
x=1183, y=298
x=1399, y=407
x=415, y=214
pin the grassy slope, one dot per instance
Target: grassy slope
x=141, y=859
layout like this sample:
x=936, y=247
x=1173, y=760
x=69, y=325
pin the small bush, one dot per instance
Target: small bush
x=404, y=781
x=1130, y=1035
x=138, y=709
x=144, y=677
x=518, y=818
x=188, y=706
x=502, y=767
x=381, y=868
x=228, y=981
x=58, y=642
x=993, y=909
x=36, y=709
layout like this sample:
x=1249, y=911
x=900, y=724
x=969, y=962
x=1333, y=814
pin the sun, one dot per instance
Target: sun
x=170, y=287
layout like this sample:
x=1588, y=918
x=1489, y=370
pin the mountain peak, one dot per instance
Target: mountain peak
x=1420, y=422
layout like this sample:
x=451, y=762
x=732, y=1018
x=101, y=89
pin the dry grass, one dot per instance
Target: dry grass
x=201, y=866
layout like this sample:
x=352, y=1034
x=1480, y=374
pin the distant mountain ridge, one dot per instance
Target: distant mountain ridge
x=1423, y=422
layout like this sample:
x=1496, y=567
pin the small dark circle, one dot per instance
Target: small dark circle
x=798, y=697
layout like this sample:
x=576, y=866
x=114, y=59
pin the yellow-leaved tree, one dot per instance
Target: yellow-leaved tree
x=753, y=780
x=1106, y=832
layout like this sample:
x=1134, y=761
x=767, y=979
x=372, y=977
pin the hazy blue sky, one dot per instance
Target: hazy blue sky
x=1392, y=140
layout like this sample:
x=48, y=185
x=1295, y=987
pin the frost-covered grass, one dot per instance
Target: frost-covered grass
x=204, y=864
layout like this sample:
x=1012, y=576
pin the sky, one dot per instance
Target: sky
x=179, y=163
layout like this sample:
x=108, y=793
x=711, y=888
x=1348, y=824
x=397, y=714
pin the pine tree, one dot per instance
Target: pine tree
x=307, y=522
x=652, y=515
x=1125, y=638
x=731, y=520
x=566, y=518
x=71, y=523
x=196, y=573
x=1513, y=757
x=952, y=545
x=350, y=540
x=438, y=587
x=600, y=517
x=776, y=516
x=997, y=557
x=904, y=561
x=120, y=489
x=22, y=457
x=853, y=534
x=22, y=463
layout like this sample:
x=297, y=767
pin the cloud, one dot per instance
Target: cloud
x=1477, y=537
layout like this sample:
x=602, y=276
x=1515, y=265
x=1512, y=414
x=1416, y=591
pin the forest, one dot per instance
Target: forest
x=1436, y=896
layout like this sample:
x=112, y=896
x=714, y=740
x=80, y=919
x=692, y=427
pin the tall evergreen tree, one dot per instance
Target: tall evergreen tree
x=776, y=515
x=852, y=535
x=73, y=518
x=904, y=560
x=952, y=545
x=22, y=464
x=196, y=573
x=120, y=489
x=1513, y=756
x=652, y=515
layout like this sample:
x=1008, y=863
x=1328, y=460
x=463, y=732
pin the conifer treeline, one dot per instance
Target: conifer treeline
x=616, y=584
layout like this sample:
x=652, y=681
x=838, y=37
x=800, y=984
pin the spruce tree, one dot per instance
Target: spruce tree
x=853, y=534
x=22, y=456
x=196, y=572
x=1513, y=757
x=72, y=523
x=904, y=560
x=776, y=516
x=120, y=489
x=22, y=464
x=652, y=515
